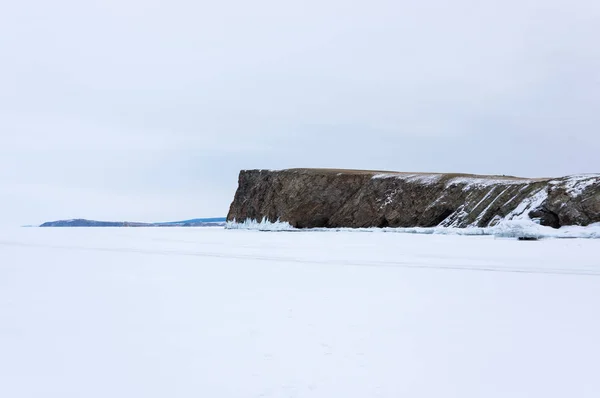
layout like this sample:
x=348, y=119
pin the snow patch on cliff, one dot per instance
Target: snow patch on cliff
x=521, y=212
x=577, y=184
x=427, y=179
x=478, y=182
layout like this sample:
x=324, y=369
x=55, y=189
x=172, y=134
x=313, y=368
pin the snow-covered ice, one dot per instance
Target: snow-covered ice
x=208, y=312
x=517, y=227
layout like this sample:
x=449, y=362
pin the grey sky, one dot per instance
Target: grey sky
x=146, y=110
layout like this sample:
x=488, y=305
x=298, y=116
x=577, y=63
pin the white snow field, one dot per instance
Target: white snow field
x=208, y=312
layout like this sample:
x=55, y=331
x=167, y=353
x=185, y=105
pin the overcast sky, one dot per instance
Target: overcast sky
x=147, y=110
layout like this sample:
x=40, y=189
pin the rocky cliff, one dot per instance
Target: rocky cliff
x=309, y=198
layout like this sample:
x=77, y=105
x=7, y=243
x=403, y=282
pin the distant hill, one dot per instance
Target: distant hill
x=196, y=222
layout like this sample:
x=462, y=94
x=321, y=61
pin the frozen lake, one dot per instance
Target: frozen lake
x=186, y=312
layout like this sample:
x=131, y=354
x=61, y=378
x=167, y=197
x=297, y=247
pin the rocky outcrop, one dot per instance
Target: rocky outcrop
x=308, y=198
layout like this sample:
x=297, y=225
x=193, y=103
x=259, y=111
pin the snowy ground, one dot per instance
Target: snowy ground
x=185, y=312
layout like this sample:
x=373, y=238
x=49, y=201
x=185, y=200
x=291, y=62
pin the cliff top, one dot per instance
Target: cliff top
x=388, y=173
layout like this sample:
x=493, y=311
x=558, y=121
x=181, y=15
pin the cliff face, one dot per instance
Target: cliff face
x=309, y=198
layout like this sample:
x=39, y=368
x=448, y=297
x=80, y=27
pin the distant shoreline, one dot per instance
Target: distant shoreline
x=81, y=222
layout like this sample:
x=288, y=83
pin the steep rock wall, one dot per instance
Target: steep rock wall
x=309, y=198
